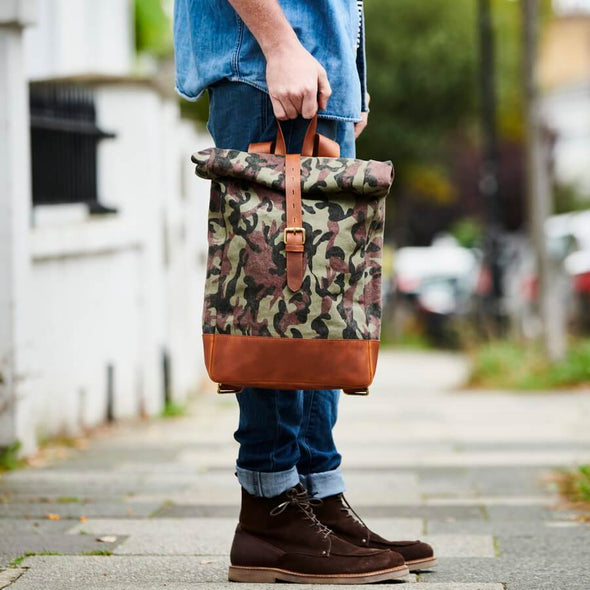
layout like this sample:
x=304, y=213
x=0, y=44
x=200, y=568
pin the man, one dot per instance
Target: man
x=262, y=60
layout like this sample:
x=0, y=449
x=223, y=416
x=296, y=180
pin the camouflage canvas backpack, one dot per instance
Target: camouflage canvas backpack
x=293, y=287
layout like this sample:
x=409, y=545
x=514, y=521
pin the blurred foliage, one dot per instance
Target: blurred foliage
x=423, y=61
x=197, y=110
x=468, y=232
x=154, y=36
x=9, y=457
x=406, y=332
x=567, y=198
x=431, y=180
x=582, y=483
x=153, y=28
x=173, y=410
x=575, y=485
x=511, y=365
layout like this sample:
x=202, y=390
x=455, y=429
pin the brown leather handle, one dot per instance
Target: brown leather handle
x=314, y=144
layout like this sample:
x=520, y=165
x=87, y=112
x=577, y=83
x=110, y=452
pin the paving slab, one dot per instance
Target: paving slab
x=10, y=526
x=497, y=527
x=382, y=488
x=183, y=536
x=197, y=511
x=9, y=575
x=500, y=500
x=523, y=572
x=83, y=483
x=462, y=545
x=171, y=573
x=120, y=572
x=524, y=512
x=453, y=586
x=15, y=545
x=78, y=509
x=210, y=536
x=444, y=513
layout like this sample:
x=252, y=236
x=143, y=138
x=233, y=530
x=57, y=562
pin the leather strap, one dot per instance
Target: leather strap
x=294, y=235
x=294, y=232
x=314, y=144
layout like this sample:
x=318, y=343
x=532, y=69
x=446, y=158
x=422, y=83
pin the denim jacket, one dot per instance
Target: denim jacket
x=211, y=42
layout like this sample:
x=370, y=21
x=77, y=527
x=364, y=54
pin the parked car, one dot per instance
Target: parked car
x=568, y=246
x=435, y=284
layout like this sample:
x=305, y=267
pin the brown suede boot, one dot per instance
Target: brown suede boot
x=337, y=514
x=281, y=539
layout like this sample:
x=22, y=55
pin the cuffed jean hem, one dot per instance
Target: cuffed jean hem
x=322, y=485
x=267, y=485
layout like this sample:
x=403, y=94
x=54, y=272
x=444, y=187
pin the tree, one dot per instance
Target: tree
x=422, y=59
x=153, y=28
x=422, y=76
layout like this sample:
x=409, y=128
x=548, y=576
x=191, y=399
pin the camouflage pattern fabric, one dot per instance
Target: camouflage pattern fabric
x=343, y=202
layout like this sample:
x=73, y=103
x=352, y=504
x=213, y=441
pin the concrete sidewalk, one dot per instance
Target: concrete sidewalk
x=153, y=506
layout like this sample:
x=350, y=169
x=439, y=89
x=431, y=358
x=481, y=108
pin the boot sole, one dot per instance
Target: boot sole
x=421, y=564
x=268, y=575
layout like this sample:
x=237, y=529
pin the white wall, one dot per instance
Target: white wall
x=120, y=289
x=74, y=37
x=83, y=293
x=15, y=197
x=567, y=7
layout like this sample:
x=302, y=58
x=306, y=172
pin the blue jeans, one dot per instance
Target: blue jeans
x=285, y=436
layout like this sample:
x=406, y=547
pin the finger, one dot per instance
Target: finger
x=290, y=108
x=324, y=89
x=278, y=109
x=359, y=128
x=310, y=103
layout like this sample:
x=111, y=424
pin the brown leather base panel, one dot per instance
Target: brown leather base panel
x=290, y=363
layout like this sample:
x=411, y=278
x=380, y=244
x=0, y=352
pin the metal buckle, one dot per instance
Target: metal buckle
x=359, y=391
x=294, y=230
x=223, y=388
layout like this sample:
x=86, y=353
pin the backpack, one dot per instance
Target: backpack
x=293, y=284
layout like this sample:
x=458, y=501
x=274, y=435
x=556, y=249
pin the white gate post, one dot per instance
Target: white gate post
x=15, y=206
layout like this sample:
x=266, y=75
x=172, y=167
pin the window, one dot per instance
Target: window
x=64, y=137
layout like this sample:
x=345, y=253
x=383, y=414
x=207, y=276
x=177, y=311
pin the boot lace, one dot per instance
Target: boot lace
x=349, y=511
x=303, y=502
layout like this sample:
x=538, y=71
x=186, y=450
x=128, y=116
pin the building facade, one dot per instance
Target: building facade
x=103, y=226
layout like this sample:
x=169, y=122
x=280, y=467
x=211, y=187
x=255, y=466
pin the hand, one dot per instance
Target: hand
x=297, y=83
x=360, y=126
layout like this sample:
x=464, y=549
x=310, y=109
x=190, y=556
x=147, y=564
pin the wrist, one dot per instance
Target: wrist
x=283, y=44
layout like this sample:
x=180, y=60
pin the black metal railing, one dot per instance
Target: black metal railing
x=64, y=138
